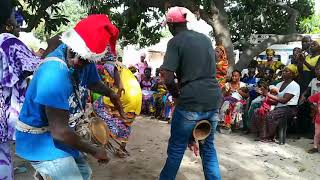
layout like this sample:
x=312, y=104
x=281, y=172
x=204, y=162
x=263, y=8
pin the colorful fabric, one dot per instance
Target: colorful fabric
x=231, y=112
x=222, y=65
x=312, y=61
x=274, y=65
x=316, y=139
x=157, y=102
x=270, y=52
x=251, y=83
x=141, y=66
x=147, y=102
x=259, y=122
x=131, y=100
x=147, y=96
x=251, y=114
x=315, y=86
x=17, y=61
x=6, y=164
x=119, y=129
x=316, y=100
x=294, y=69
x=52, y=86
x=169, y=106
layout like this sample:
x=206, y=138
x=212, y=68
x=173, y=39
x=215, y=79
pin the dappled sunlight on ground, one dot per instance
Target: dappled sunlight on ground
x=240, y=158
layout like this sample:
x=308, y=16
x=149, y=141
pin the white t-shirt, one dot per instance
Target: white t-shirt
x=235, y=94
x=294, y=89
x=313, y=85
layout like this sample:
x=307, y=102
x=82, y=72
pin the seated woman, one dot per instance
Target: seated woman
x=147, y=93
x=271, y=62
x=121, y=80
x=286, y=100
x=235, y=95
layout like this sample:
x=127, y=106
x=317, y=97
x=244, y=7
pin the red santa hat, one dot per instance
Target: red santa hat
x=91, y=37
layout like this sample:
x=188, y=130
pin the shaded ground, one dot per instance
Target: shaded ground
x=240, y=157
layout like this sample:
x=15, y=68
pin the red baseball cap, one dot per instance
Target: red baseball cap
x=176, y=15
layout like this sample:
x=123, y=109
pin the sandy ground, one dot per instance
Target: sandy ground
x=240, y=158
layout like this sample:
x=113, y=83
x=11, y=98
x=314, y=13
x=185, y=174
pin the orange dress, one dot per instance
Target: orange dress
x=222, y=65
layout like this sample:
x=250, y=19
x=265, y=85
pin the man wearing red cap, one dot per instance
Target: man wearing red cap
x=191, y=57
x=56, y=98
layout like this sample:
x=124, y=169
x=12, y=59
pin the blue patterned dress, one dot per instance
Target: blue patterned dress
x=17, y=61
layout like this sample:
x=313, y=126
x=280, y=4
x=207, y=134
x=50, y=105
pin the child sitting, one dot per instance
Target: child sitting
x=258, y=118
x=267, y=104
x=232, y=109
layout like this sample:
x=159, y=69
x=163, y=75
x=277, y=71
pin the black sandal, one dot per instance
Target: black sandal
x=313, y=150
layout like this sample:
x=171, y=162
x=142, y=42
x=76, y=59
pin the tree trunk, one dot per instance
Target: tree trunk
x=218, y=19
x=254, y=51
x=222, y=30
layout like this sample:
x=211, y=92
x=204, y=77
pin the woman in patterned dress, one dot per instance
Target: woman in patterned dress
x=17, y=62
x=121, y=80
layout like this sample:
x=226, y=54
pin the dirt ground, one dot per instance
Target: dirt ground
x=240, y=158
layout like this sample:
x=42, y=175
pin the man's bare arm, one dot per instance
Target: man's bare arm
x=60, y=131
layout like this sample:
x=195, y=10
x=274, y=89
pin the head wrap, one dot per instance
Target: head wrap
x=294, y=69
x=5, y=11
x=270, y=52
x=222, y=56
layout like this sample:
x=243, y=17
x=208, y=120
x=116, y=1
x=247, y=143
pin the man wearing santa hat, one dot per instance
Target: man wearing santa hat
x=56, y=98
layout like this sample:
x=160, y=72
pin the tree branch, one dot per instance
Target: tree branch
x=293, y=13
x=254, y=51
x=40, y=13
x=154, y=3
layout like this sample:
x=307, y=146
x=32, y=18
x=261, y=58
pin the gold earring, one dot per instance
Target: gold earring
x=9, y=28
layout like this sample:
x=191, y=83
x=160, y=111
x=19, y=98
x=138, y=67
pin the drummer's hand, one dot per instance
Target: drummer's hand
x=121, y=91
x=115, y=99
x=193, y=146
x=302, y=100
x=102, y=156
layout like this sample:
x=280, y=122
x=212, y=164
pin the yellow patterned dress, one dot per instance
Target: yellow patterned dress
x=131, y=100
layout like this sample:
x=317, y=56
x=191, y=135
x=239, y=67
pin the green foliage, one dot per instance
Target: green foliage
x=311, y=25
x=35, y=11
x=138, y=24
x=248, y=17
x=72, y=10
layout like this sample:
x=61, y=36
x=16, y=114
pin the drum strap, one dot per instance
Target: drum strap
x=23, y=127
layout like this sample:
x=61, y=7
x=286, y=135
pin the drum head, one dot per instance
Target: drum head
x=99, y=131
x=202, y=130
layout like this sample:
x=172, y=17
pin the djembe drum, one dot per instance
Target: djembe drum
x=202, y=130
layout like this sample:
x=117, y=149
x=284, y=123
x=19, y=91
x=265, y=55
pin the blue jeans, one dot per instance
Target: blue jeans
x=68, y=168
x=183, y=123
